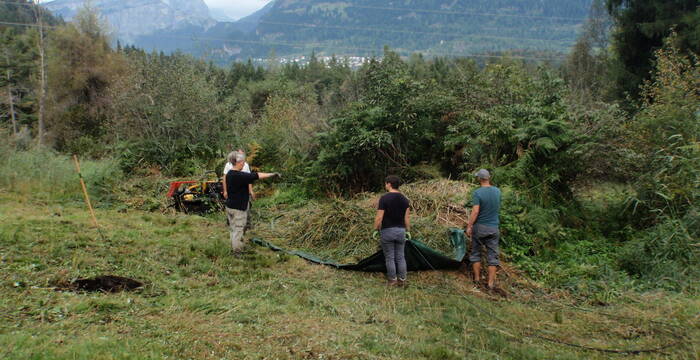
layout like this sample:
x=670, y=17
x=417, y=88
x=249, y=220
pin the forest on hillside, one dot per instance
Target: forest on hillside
x=619, y=120
x=443, y=28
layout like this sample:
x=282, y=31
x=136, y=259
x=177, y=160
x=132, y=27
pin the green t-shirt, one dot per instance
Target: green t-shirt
x=489, y=200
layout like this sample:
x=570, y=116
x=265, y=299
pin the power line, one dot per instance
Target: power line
x=408, y=31
x=385, y=30
x=450, y=12
x=26, y=24
x=312, y=45
x=386, y=8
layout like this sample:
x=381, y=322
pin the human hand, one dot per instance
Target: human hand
x=252, y=196
x=469, y=231
x=225, y=195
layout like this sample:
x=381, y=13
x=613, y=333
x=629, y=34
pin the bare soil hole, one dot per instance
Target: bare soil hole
x=104, y=283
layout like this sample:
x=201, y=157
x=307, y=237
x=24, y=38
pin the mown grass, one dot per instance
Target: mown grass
x=201, y=302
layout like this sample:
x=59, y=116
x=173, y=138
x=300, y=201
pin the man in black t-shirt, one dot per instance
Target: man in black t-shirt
x=237, y=198
x=392, y=221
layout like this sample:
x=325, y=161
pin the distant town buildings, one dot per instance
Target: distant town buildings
x=352, y=61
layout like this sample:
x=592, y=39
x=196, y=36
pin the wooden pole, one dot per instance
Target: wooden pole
x=85, y=193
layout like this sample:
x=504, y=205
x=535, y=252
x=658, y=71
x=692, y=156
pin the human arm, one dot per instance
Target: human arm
x=251, y=192
x=407, y=220
x=472, y=219
x=267, y=175
x=225, y=189
x=378, y=220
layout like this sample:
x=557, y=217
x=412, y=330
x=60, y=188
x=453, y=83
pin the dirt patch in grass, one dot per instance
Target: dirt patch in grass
x=104, y=283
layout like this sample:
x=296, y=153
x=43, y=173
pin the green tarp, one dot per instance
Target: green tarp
x=418, y=256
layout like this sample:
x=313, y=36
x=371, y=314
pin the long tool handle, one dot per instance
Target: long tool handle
x=85, y=193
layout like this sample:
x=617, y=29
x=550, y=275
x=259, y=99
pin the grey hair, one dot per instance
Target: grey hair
x=232, y=157
x=240, y=157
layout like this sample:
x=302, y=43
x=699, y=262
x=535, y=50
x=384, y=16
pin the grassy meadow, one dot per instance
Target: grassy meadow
x=200, y=302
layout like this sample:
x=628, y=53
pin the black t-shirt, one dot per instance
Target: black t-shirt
x=237, y=186
x=394, y=206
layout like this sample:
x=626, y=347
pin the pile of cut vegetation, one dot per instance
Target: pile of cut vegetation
x=341, y=229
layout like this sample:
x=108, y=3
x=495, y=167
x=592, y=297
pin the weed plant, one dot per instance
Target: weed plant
x=41, y=173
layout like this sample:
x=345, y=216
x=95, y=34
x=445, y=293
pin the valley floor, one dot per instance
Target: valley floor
x=201, y=302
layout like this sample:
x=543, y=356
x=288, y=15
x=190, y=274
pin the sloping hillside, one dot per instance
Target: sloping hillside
x=440, y=27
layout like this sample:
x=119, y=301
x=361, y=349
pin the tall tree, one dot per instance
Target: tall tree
x=39, y=16
x=642, y=26
x=586, y=66
x=82, y=67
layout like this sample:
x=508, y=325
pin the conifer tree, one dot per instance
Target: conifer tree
x=642, y=26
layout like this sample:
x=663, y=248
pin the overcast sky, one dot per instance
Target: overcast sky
x=237, y=8
x=234, y=8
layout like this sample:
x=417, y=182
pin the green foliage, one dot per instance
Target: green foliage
x=642, y=26
x=429, y=26
x=667, y=255
x=668, y=125
x=523, y=131
x=81, y=69
x=168, y=116
x=19, y=63
x=396, y=124
x=43, y=174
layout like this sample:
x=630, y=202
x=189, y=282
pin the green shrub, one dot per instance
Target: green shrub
x=45, y=175
x=668, y=128
x=667, y=255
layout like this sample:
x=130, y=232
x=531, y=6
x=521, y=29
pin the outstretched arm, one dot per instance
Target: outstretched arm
x=267, y=175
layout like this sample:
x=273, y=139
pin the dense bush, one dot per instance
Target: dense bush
x=668, y=128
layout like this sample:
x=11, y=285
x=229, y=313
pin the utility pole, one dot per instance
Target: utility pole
x=10, y=101
x=38, y=13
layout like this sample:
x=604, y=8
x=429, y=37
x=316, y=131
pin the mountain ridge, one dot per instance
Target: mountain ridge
x=130, y=19
x=354, y=27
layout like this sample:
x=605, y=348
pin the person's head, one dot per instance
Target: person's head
x=392, y=182
x=241, y=151
x=240, y=161
x=231, y=157
x=484, y=176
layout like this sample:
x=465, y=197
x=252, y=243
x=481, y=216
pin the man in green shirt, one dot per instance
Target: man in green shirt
x=482, y=227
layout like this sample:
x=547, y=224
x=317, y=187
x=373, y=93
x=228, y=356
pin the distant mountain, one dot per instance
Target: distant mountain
x=345, y=28
x=250, y=23
x=441, y=27
x=130, y=19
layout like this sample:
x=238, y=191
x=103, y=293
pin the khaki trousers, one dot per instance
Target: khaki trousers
x=236, y=222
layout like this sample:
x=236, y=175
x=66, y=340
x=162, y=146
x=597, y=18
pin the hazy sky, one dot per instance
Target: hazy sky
x=237, y=8
x=234, y=8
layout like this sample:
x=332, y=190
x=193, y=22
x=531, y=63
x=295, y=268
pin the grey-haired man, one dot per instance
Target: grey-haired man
x=482, y=227
x=237, y=197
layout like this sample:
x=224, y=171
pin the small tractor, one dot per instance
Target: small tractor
x=198, y=196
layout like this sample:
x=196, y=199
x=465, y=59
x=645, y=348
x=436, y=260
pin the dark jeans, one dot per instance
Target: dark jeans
x=488, y=236
x=393, y=244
